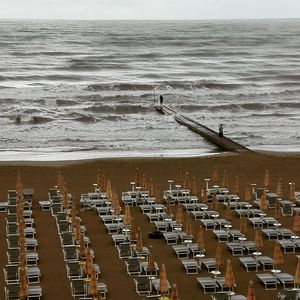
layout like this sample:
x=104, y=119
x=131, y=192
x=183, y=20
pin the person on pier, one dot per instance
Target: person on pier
x=221, y=130
x=161, y=100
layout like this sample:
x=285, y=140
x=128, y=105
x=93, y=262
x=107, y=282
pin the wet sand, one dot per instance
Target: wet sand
x=80, y=176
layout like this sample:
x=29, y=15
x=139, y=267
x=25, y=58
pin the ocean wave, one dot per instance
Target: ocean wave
x=40, y=53
x=85, y=119
x=118, y=109
x=35, y=78
x=65, y=102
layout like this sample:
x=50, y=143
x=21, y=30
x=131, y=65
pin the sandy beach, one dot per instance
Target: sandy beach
x=80, y=176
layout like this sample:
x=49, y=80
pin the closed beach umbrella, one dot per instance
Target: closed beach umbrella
x=151, y=187
x=204, y=196
x=139, y=242
x=236, y=186
x=92, y=287
x=163, y=281
x=23, y=292
x=279, y=189
x=73, y=215
x=137, y=177
x=59, y=180
x=278, y=256
x=65, y=202
x=168, y=207
x=144, y=184
x=267, y=181
x=103, y=183
x=157, y=195
x=99, y=176
x=244, y=225
x=133, y=232
x=248, y=193
x=179, y=214
x=258, y=239
x=263, y=201
x=186, y=183
x=88, y=269
x=292, y=194
x=22, y=257
x=77, y=230
x=127, y=216
x=277, y=211
x=215, y=176
x=116, y=204
x=219, y=257
x=228, y=213
x=151, y=263
x=188, y=227
x=82, y=250
x=109, y=192
x=229, y=276
x=296, y=223
x=19, y=184
x=179, y=176
x=297, y=274
x=251, y=295
x=194, y=190
x=214, y=203
x=174, y=292
x=225, y=179
x=200, y=239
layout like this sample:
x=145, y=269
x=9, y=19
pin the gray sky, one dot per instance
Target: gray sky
x=149, y=9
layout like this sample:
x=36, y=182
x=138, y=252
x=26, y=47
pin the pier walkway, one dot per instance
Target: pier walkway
x=212, y=136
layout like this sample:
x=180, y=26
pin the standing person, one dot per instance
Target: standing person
x=221, y=130
x=161, y=100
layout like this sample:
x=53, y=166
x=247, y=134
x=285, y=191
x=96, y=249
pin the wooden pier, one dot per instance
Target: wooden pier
x=212, y=136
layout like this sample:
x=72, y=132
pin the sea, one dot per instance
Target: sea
x=72, y=89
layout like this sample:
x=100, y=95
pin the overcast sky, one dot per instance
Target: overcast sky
x=149, y=9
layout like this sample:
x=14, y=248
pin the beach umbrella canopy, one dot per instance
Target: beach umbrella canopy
x=236, y=186
x=174, y=292
x=229, y=276
x=92, y=287
x=219, y=257
x=200, y=239
x=279, y=189
x=179, y=175
x=215, y=176
x=267, y=181
x=23, y=292
x=296, y=223
x=251, y=295
x=127, y=216
x=277, y=256
x=297, y=274
x=139, y=242
x=263, y=201
x=258, y=239
x=225, y=179
x=179, y=214
x=163, y=281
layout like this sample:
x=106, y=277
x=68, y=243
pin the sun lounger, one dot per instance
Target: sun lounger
x=208, y=284
x=220, y=223
x=272, y=234
x=236, y=248
x=182, y=251
x=249, y=246
x=191, y=266
x=266, y=262
x=225, y=297
x=146, y=272
x=222, y=235
x=12, y=292
x=288, y=246
x=209, y=264
x=45, y=205
x=32, y=257
x=71, y=253
x=142, y=285
x=171, y=237
x=74, y=269
x=194, y=249
x=198, y=215
x=125, y=250
x=133, y=266
x=285, y=233
x=257, y=222
x=287, y=280
x=222, y=288
x=286, y=208
x=156, y=285
x=162, y=226
x=249, y=263
x=235, y=234
x=269, y=221
x=209, y=224
x=269, y=280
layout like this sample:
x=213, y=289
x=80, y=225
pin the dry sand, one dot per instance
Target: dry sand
x=80, y=176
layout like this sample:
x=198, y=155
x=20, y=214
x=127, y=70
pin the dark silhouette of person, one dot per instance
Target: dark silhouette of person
x=221, y=130
x=161, y=99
